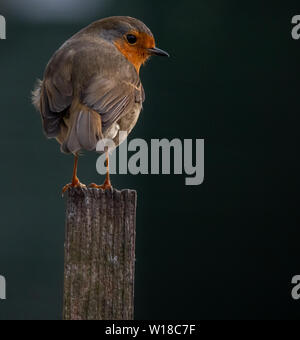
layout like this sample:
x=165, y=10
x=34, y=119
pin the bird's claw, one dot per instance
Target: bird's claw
x=72, y=185
x=105, y=186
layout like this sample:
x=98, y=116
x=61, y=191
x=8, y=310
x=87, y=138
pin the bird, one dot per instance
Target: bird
x=91, y=88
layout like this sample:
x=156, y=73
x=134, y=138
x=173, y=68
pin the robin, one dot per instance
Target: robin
x=92, y=89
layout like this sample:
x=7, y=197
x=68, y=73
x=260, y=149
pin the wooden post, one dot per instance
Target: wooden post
x=100, y=255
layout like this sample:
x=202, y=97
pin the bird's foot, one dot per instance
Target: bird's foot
x=75, y=184
x=105, y=186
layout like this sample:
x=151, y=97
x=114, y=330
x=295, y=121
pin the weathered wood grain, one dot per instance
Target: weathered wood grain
x=99, y=255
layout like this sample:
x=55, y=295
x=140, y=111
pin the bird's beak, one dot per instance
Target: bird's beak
x=158, y=52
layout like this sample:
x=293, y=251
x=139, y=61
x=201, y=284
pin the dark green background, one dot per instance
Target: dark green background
x=227, y=249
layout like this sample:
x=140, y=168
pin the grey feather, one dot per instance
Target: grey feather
x=71, y=144
x=86, y=130
x=36, y=95
x=84, y=134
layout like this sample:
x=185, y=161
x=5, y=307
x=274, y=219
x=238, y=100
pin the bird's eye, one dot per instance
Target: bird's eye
x=132, y=39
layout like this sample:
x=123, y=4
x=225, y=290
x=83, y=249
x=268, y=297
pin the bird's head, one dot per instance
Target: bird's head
x=131, y=37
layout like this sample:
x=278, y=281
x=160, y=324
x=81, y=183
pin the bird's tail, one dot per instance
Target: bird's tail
x=84, y=133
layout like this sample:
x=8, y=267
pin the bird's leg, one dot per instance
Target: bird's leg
x=75, y=181
x=107, y=184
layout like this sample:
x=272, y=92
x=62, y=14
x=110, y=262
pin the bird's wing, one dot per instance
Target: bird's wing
x=56, y=93
x=111, y=98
